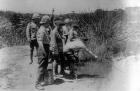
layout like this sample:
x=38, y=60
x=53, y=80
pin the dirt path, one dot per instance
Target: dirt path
x=17, y=75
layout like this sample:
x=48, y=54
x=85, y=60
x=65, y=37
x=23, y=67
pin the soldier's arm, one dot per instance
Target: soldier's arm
x=52, y=20
x=40, y=43
x=40, y=36
x=52, y=42
x=28, y=33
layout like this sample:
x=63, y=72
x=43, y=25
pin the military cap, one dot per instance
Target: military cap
x=45, y=19
x=35, y=16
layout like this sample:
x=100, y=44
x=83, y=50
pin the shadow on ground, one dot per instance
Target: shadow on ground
x=89, y=76
x=58, y=81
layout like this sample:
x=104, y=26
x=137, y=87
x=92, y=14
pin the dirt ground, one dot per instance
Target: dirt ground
x=17, y=75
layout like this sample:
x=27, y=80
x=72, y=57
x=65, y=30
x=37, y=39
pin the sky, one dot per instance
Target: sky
x=64, y=6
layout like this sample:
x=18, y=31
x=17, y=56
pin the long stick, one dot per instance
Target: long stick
x=91, y=53
x=52, y=20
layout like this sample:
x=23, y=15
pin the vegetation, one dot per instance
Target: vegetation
x=12, y=29
x=103, y=29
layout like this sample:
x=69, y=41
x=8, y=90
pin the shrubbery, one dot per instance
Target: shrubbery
x=13, y=27
x=103, y=29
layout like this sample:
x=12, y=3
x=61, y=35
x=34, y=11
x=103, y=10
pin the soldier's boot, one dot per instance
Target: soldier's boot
x=39, y=87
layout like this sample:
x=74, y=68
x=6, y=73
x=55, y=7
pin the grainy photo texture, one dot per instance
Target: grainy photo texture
x=69, y=45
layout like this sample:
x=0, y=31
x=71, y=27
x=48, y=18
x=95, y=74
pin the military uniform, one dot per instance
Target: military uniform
x=31, y=31
x=56, y=47
x=43, y=39
x=56, y=43
x=43, y=52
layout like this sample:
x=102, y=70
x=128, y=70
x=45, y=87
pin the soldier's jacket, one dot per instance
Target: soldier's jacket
x=52, y=24
x=43, y=35
x=72, y=35
x=56, y=43
x=31, y=31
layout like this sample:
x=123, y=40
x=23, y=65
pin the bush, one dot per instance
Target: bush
x=103, y=29
x=12, y=28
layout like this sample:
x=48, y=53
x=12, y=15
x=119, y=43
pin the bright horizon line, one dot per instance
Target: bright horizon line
x=80, y=11
x=64, y=6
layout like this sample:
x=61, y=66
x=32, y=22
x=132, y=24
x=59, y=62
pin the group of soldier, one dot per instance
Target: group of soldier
x=49, y=36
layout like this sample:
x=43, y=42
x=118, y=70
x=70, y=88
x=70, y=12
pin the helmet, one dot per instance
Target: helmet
x=67, y=21
x=35, y=16
x=45, y=19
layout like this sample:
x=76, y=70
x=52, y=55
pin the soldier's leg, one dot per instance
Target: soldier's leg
x=54, y=67
x=41, y=68
x=44, y=80
x=49, y=74
x=58, y=61
x=40, y=77
x=41, y=60
x=31, y=51
x=47, y=67
x=71, y=64
x=62, y=64
x=59, y=69
x=55, y=64
x=36, y=46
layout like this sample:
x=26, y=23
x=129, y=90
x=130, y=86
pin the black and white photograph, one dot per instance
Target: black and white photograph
x=69, y=45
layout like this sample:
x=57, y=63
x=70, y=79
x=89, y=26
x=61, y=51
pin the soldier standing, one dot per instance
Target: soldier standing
x=56, y=47
x=31, y=31
x=43, y=39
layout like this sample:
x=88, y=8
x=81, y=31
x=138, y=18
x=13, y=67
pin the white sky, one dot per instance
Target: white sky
x=64, y=6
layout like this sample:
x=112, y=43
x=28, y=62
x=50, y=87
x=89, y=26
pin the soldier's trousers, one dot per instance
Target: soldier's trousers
x=59, y=61
x=42, y=63
x=33, y=44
